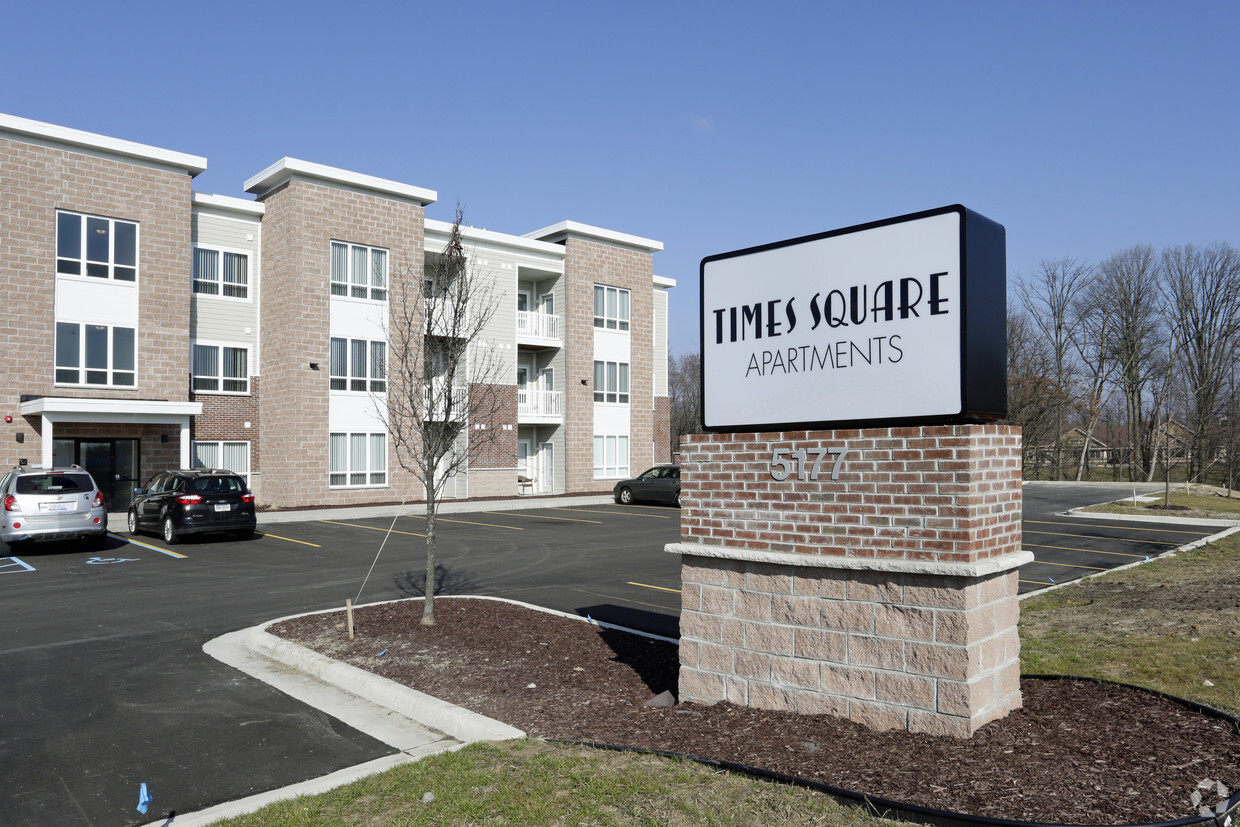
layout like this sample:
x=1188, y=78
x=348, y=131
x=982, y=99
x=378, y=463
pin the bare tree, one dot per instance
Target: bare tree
x=1048, y=297
x=446, y=390
x=1203, y=294
x=1094, y=329
x=1032, y=401
x=1129, y=283
x=685, y=388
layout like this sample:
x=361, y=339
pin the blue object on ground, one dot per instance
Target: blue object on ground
x=144, y=798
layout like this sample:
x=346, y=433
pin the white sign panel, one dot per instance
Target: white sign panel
x=857, y=325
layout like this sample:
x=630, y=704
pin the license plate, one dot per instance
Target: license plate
x=55, y=506
x=223, y=507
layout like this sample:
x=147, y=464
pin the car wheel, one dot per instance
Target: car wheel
x=676, y=502
x=133, y=522
x=170, y=532
x=626, y=496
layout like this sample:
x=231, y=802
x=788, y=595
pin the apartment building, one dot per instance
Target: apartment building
x=151, y=326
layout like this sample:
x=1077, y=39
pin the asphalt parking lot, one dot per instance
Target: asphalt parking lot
x=102, y=651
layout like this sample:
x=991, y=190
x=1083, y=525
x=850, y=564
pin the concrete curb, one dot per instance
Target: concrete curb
x=1142, y=518
x=454, y=721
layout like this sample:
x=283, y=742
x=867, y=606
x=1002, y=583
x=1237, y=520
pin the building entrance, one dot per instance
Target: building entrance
x=112, y=462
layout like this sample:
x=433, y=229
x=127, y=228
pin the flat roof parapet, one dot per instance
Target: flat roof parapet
x=291, y=169
x=574, y=229
x=75, y=139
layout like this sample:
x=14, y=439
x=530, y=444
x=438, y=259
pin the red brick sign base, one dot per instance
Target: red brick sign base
x=886, y=595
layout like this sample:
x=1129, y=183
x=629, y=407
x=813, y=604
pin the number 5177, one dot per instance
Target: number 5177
x=805, y=462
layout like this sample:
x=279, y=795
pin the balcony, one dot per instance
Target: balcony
x=538, y=329
x=445, y=406
x=535, y=407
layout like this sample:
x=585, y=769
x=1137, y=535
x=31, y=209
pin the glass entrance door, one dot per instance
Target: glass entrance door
x=112, y=462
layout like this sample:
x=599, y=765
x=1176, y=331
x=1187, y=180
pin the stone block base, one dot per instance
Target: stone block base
x=924, y=647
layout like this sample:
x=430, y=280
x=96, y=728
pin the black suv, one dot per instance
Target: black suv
x=193, y=501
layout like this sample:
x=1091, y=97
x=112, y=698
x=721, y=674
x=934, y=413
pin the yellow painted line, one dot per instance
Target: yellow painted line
x=467, y=522
x=151, y=547
x=660, y=588
x=541, y=517
x=290, y=539
x=1126, y=540
x=1071, y=566
x=628, y=514
x=1035, y=582
x=1090, y=551
x=373, y=528
x=1112, y=526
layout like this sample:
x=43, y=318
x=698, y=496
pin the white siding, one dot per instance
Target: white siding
x=659, y=353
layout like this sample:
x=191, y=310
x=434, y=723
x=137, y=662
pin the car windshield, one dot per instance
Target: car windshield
x=53, y=483
x=215, y=485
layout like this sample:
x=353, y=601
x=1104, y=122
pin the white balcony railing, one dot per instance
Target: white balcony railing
x=437, y=409
x=543, y=406
x=533, y=325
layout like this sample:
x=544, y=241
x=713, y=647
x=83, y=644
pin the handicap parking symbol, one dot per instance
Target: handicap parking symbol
x=98, y=561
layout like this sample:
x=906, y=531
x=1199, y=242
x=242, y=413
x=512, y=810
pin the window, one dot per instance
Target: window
x=356, y=460
x=221, y=368
x=611, y=456
x=233, y=456
x=611, y=382
x=359, y=271
x=358, y=365
x=94, y=354
x=221, y=273
x=102, y=248
x=611, y=307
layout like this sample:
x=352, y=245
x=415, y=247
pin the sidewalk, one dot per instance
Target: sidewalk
x=118, y=520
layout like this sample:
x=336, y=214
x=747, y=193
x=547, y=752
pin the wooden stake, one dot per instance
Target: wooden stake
x=348, y=605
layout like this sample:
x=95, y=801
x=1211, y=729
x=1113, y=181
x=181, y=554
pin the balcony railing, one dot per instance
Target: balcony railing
x=437, y=409
x=538, y=406
x=543, y=327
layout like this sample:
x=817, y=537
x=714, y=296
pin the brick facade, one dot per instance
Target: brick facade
x=887, y=596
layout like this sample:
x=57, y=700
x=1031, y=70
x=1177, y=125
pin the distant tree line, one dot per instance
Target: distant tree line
x=1121, y=368
x=1128, y=364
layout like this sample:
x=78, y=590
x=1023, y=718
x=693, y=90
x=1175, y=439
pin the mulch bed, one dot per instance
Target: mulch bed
x=1076, y=753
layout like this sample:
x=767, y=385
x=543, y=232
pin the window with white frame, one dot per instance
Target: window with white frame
x=221, y=368
x=611, y=382
x=102, y=248
x=611, y=456
x=359, y=272
x=232, y=456
x=357, y=460
x=358, y=365
x=611, y=307
x=94, y=354
x=221, y=273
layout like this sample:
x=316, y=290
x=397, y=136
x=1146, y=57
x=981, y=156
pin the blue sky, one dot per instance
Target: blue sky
x=1082, y=127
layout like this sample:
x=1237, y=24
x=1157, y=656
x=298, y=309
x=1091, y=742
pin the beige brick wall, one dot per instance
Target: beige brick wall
x=37, y=180
x=588, y=263
x=900, y=617
x=301, y=220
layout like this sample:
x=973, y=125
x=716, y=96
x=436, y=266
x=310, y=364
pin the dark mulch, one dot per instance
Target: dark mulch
x=1078, y=752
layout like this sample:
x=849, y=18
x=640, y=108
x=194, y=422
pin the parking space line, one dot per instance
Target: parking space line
x=541, y=517
x=622, y=513
x=1114, y=527
x=1121, y=539
x=374, y=528
x=290, y=540
x=466, y=522
x=1071, y=565
x=151, y=547
x=1089, y=551
x=660, y=588
x=15, y=566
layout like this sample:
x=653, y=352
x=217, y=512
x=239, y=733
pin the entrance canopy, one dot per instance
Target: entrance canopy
x=63, y=410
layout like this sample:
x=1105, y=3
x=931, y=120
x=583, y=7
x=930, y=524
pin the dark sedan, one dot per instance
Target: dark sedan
x=660, y=484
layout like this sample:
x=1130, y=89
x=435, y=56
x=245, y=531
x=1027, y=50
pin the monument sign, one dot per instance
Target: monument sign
x=850, y=530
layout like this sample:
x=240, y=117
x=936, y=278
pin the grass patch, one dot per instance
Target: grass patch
x=1201, y=502
x=1170, y=625
x=533, y=782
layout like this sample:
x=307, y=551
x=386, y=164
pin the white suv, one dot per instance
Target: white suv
x=52, y=504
